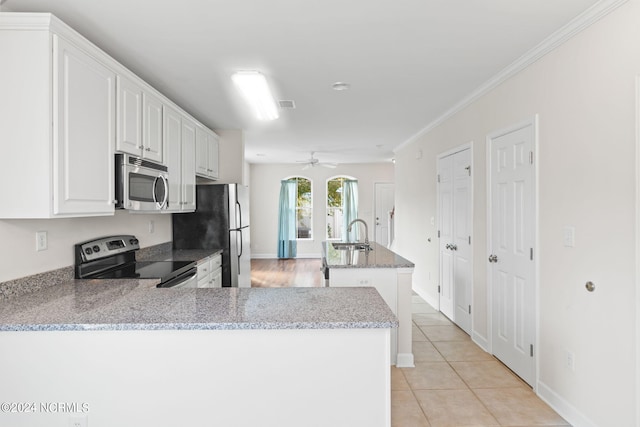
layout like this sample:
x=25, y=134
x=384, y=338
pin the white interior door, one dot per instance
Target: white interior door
x=445, y=227
x=384, y=203
x=461, y=247
x=511, y=245
x=454, y=225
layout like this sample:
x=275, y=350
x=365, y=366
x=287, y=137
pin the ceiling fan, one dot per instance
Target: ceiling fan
x=313, y=162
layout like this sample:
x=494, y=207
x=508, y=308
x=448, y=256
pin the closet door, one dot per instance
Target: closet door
x=454, y=219
x=445, y=232
x=461, y=247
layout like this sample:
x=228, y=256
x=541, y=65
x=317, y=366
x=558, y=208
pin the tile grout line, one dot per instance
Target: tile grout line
x=457, y=374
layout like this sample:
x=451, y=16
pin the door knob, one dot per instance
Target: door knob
x=448, y=246
x=454, y=247
x=493, y=258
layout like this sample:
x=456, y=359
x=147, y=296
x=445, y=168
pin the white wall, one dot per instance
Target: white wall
x=584, y=94
x=19, y=258
x=265, y=192
x=231, y=157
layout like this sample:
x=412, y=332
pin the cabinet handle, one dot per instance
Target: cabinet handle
x=140, y=147
x=147, y=149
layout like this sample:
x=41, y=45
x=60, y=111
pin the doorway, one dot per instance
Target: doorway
x=512, y=229
x=454, y=183
x=384, y=213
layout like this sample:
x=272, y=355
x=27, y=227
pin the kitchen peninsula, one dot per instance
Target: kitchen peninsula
x=132, y=354
x=347, y=266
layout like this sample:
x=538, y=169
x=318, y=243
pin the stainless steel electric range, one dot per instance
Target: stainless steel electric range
x=114, y=257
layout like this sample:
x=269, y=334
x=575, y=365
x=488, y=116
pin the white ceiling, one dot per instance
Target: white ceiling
x=408, y=61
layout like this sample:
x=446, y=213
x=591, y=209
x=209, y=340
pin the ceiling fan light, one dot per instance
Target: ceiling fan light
x=253, y=86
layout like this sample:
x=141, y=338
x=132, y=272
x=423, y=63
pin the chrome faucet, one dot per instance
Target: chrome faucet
x=366, y=229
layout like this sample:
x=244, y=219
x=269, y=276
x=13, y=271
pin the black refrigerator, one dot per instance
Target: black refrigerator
x=221, y=221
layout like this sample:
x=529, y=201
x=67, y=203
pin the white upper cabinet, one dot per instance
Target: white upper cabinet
x=188, y=164
x=179, y=141
x=172, y=149
x=58, y=111
x=129, y=138
x=84, y=105
x=139, y=121
x=152, y=137
x=67, y=107
x=207, y=144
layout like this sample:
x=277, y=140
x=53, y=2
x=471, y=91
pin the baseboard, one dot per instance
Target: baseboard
x=481, y=341
x=263, y=256
x=432, y=302
x=405, y=360
x=566, y=410
x=275, y=256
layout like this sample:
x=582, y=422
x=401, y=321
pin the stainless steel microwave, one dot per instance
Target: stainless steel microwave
x=140, y=185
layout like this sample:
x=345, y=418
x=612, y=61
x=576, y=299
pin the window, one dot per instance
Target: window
x=335, y=207
x=303, y=208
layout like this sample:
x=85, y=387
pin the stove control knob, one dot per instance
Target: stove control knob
x=133, y=241
x=96, y=248
x=88, y=251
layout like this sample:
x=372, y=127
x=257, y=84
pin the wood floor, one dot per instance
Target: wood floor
x=283, y=273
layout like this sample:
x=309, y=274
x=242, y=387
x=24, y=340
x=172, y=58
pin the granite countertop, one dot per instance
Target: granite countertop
x=164, y=252
x=138, y=305
x=186, y=254
x=379, y=257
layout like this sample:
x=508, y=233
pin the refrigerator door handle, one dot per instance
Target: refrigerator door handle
x=240, y=252
x=239, y=210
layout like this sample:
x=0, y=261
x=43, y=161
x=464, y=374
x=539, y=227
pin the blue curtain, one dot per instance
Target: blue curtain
x=350, y=209
x=287, y=244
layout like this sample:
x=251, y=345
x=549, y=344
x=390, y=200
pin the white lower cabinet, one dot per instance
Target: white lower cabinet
x=394, y=286
x=385, y=282
x=210, y=272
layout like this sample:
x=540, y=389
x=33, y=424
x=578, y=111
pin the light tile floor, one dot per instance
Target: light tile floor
x=455, y=383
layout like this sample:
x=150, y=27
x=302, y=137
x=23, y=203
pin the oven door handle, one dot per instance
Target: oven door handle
x=183, y=278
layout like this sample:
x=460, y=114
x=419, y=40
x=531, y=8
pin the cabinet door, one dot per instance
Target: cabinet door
x=173, y=156
x=202, y=151
x=216, y=278
x=84, y=111
x=213, y=147
x=129, y=123
x=204, y=273
x=152, y=127
x=188, y=165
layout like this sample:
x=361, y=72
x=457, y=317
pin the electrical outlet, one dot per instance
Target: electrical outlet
x=569, y=236
x=41, y=241
x=78, y=421
x=570, y=361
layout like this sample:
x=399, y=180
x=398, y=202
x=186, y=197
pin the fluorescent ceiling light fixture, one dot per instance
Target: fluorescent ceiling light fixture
x=255, y=89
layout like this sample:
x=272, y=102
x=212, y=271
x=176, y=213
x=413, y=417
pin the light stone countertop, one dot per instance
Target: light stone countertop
x=379, y=257
x=138, y=305
x=190, y=254
x=164, y=252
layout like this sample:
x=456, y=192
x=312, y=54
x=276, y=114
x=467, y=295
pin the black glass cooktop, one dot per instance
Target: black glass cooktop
x=147, y=270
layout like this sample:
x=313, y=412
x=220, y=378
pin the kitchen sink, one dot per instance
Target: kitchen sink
x=357, y=246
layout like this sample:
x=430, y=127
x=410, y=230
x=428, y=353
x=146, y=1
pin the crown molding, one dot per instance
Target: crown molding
x=575, y=26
